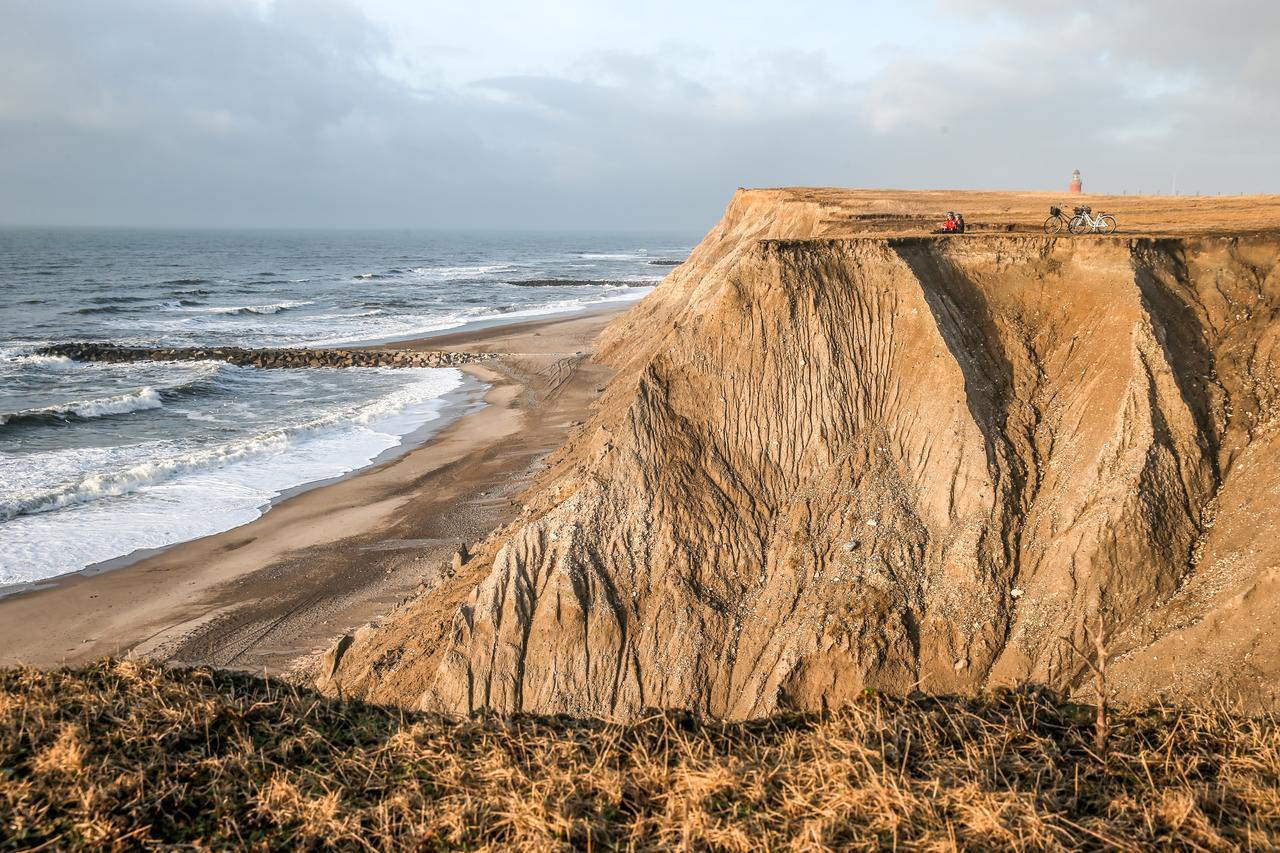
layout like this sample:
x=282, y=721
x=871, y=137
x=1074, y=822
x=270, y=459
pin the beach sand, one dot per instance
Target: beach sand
x=272, y=593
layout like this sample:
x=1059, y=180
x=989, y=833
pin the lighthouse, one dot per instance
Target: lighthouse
x=1076, y=185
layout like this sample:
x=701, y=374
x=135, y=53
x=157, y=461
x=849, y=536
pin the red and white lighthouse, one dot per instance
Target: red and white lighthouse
x=1076, y=185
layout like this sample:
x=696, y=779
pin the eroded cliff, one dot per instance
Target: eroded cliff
x=831, y=462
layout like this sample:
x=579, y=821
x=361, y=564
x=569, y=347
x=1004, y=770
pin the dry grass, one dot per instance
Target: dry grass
x=123, y=754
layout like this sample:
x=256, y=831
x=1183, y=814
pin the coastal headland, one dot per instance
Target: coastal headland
x=842, y=454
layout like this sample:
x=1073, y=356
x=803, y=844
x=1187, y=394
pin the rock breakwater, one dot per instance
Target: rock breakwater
x=266, y=358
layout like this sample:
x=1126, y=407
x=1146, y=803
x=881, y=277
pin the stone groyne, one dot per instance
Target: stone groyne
x=266, y=358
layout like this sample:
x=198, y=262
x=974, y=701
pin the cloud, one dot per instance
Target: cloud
x=310, y=112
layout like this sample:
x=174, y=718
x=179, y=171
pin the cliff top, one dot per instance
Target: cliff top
x=865, y=212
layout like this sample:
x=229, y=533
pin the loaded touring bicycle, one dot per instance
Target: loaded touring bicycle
x=1082, y=221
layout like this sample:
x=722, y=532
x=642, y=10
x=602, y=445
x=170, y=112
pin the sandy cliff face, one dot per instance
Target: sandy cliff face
x=832, y=462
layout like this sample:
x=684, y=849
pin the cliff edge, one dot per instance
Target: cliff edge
x=839, y=454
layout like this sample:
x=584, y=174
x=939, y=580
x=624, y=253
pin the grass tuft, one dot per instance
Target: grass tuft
x=127, y=754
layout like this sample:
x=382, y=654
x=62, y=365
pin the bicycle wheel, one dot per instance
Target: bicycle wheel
x=1053, y=225
x=1107, y=224
x=1078, y=225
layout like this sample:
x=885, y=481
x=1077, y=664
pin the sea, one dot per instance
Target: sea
x=100, y=462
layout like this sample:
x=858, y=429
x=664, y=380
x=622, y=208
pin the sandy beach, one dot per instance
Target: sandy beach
x=277, y=590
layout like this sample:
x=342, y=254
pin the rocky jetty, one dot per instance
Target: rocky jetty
x=267, y=358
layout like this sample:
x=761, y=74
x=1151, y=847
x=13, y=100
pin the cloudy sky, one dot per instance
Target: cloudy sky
x=581, y=113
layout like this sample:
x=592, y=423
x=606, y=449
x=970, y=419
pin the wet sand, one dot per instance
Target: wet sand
x=273, y=592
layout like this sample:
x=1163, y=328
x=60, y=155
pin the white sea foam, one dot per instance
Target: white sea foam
x=124, y=481
x=450, y=273
x=178, y=495
x=44, y=360
x=274, y=308
x=8, y=353
x=467, y=271
x=120, y=404
x=134, y=401
x=24, y=353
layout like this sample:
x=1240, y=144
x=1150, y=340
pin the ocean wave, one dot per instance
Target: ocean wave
x=43, y=360
x=402, y=326
x=189, y=281
x=140, y=475
x=119, y=300
x=120, y=404
x=101, y=309
x=582, y=282
x=273, y=308
x=320, y=318
x=394, y=272
x=612, y=256
x=17, y=351
x=464, y=271
x=205, y=378
x=124, y=481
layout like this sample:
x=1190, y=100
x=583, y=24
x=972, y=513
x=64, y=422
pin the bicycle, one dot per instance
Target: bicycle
x=1056, y=220
x=1105, y=223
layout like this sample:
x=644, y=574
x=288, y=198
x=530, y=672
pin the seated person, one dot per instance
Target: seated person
x=948, y=227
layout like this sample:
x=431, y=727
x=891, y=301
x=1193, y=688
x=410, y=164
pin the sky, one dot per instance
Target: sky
x=567, y=114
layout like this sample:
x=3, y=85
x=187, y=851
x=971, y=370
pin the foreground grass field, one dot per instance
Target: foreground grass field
x=125, y=754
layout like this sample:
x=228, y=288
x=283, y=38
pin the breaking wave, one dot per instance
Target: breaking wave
x=274, y=308
x=26, y=354
x=135, y=477
x=582, y=282
x=120, y=404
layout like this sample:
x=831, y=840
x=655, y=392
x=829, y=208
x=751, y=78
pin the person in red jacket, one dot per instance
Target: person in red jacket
x=948, y=227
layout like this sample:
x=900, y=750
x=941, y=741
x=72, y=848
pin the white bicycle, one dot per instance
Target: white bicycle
x=1083, y=223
